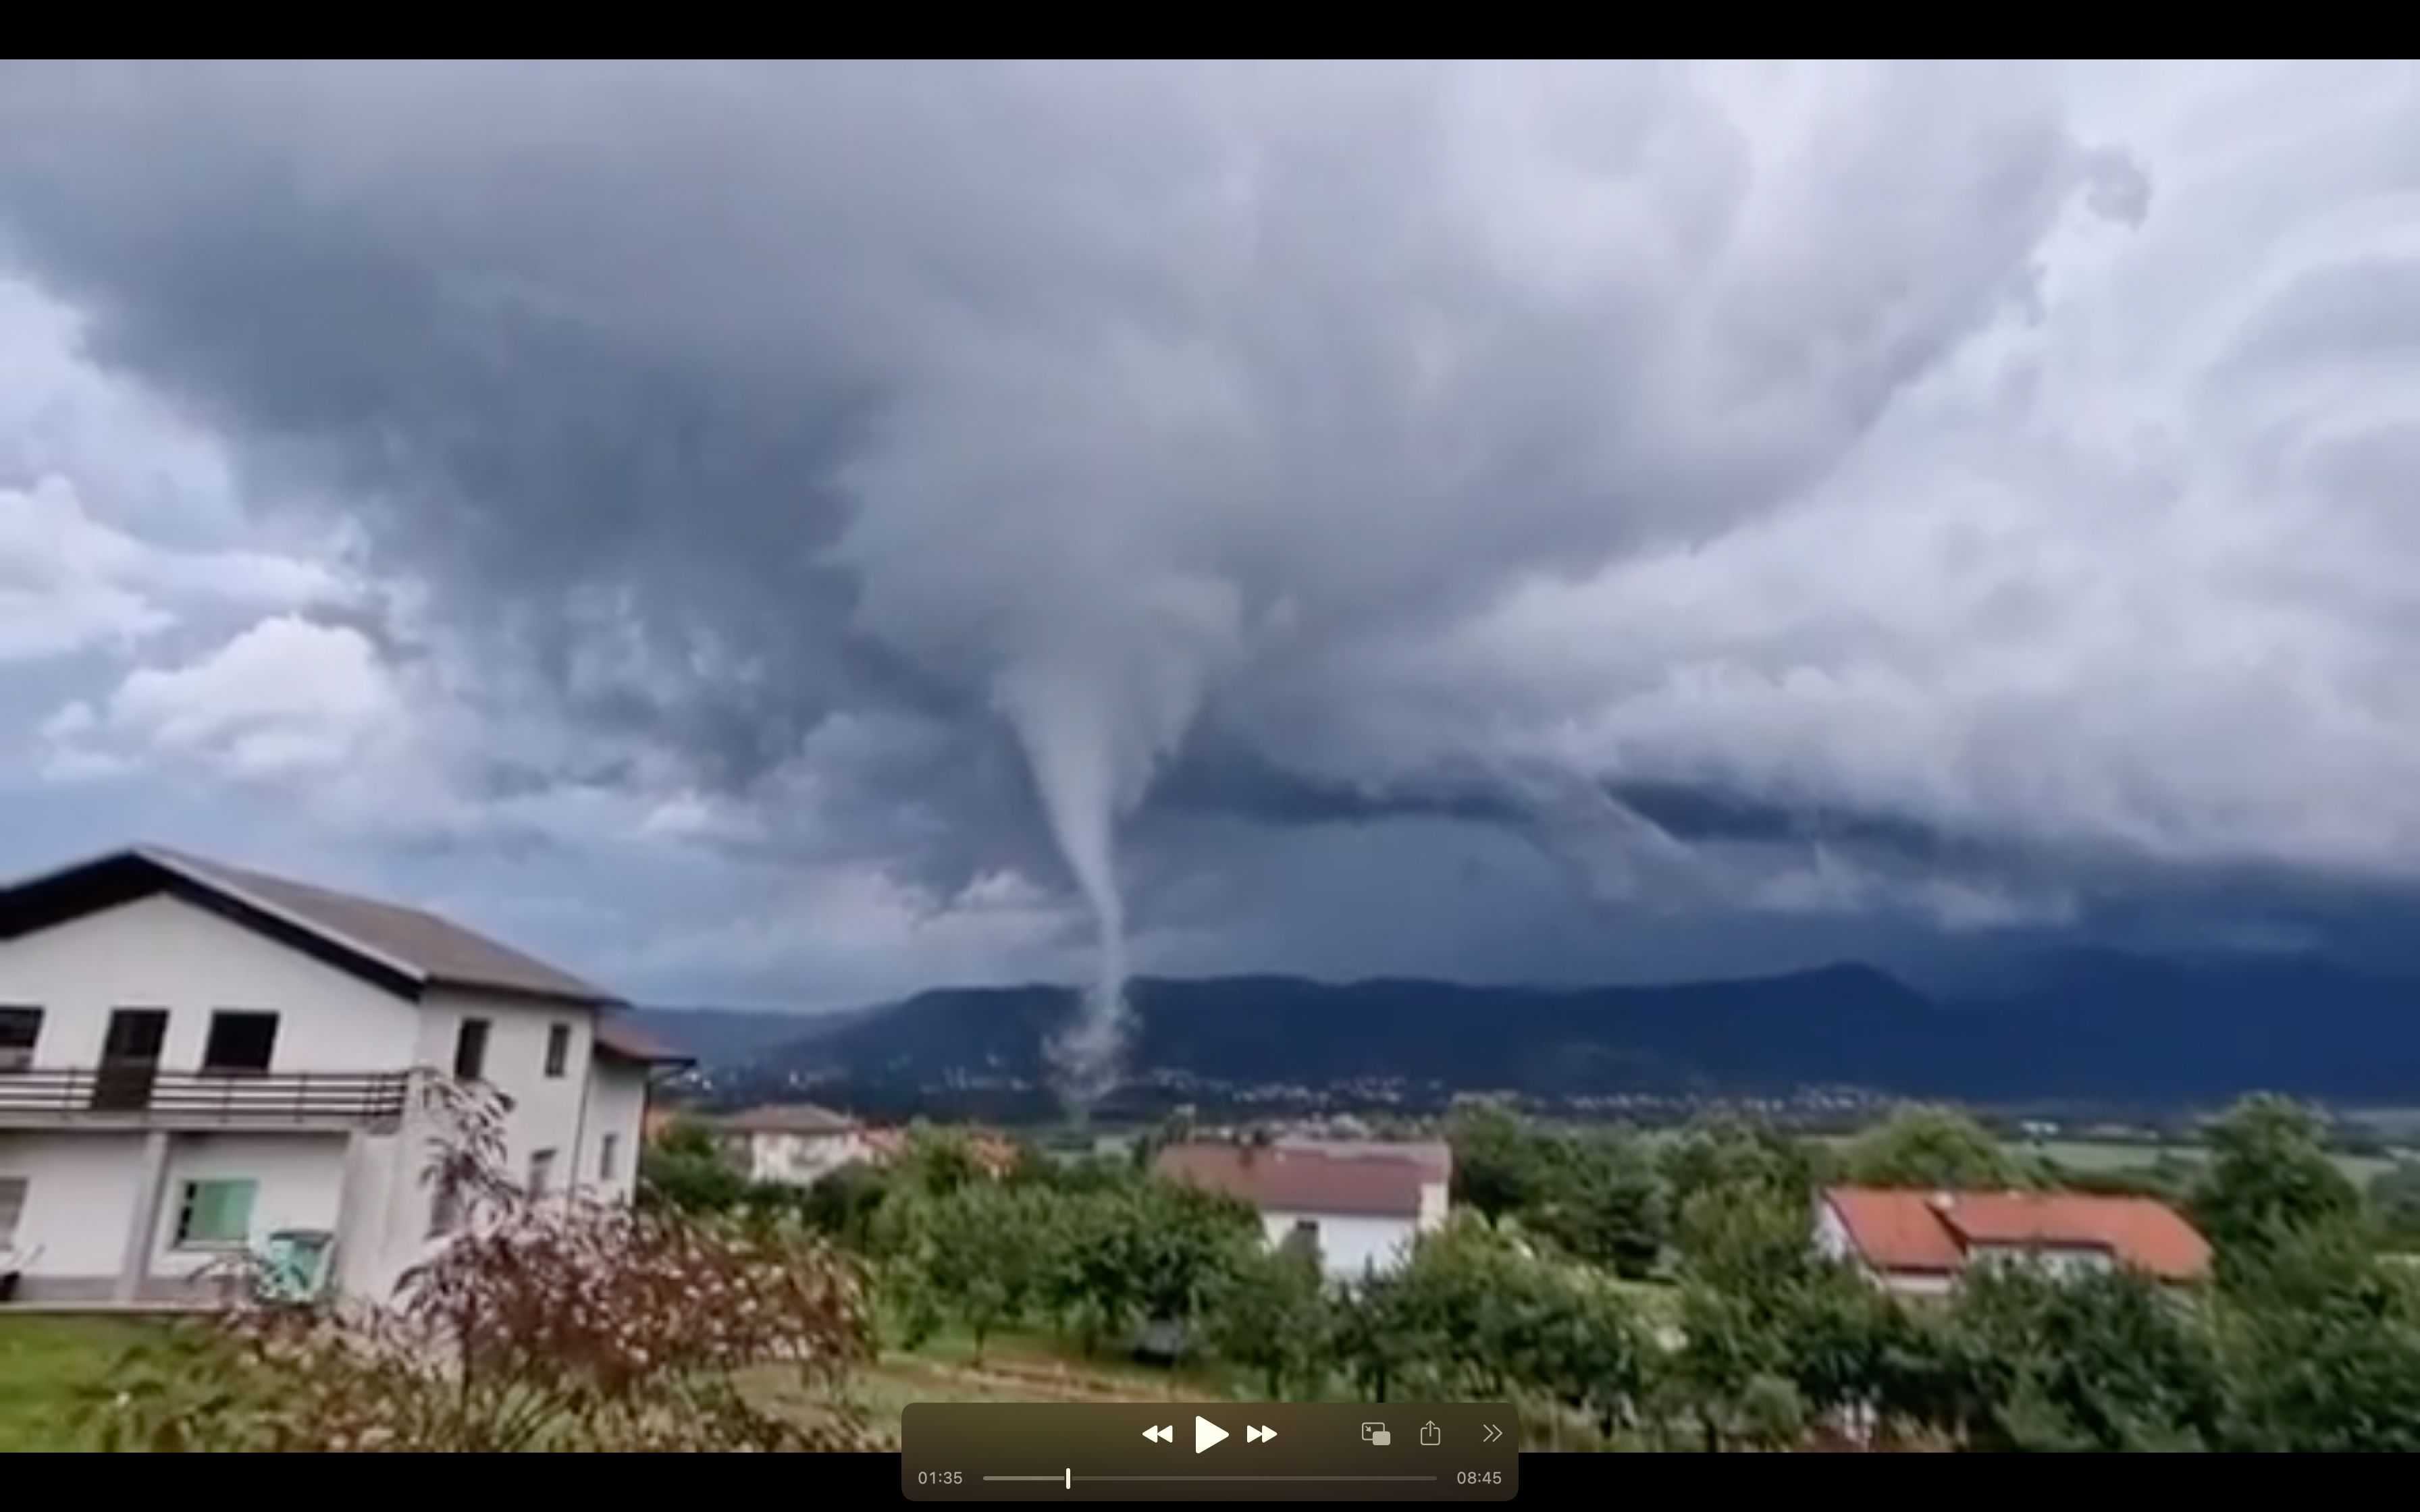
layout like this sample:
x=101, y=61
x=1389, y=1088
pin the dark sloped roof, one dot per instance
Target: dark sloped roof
x=1295, y=1179
x=407, y=950
x=618, y=1041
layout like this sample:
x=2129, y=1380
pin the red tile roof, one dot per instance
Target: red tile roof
x=1925, y=1232
x=1896, y=1231
x=1292, y=1178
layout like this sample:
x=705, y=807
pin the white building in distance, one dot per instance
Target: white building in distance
x=793, y=1142
x=196, y=1058
x=1362, y=1203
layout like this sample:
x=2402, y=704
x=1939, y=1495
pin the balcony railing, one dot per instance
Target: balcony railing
x=122, y=1095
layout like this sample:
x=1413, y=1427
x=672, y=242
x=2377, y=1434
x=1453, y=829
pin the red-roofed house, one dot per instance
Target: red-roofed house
x=1361, y=1203
x=1918, y=1244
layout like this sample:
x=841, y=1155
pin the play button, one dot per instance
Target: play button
x=1206, y=1433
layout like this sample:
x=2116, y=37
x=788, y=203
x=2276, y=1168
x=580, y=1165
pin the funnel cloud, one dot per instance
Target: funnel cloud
x=1521, y=521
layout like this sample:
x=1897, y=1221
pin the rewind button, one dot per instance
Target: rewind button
x=1165, y=1434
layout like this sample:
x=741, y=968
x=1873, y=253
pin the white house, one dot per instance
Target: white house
x=794, y=1142
x=1363, y=1203
x=196, y=1058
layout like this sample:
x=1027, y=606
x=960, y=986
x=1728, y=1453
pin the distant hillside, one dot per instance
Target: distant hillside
x=2094, y=1026
x=737, y=1037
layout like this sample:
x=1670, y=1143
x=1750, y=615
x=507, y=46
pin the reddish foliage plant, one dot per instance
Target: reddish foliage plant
x=553, y=1323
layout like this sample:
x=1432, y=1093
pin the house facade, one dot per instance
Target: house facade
x=1363, y=1204
x=796, y=1142
x=197, y=1060
x=1920, y=1244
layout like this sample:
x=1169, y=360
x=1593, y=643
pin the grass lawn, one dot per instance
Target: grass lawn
x=1016, y=1367
x=45, y=1360
x=42, y=1363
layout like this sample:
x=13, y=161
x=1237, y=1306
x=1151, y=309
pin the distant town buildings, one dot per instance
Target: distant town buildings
x=1918, y=1243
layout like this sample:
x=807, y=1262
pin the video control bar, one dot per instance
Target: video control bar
x=1209, y=1451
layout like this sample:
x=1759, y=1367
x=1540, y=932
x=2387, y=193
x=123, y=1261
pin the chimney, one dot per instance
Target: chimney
x=1940, y=1201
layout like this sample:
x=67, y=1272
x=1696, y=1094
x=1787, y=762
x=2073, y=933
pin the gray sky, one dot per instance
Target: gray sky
x=777, y=534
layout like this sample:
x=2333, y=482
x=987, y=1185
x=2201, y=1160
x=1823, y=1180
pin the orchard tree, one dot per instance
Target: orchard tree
x=2269, y=1180
x=976, y=1254
x=2105, y=1361
x=1930, y=1146
x=2323, y=1345
x=1601, y=1199
x=1271, y=1314
x=2394, y=1206
x=1722, y=1151
x=687, y=1169
x=1499, y=1162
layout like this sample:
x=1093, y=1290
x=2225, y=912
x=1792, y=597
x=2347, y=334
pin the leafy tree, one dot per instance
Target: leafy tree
x=565, y=1323
x=1181, y=1242
x=1601, y=1199
x=1374, y=1335
x=2323, y=1345
x=1596, y=1194
x=937, y=1161
x=2104, y=1361
x=2394, y=1206
x=1748, y=1239
x=2269, y=1180
x=1723, y=1150
x=1499, y=1164
x=1771, y=1413
x=976, y=1253
x=1141, y=1251
x=1271, y=1313
x=686, y=1169
x=843, y=1206
x=1477, y=1313
x=1930, y=1146
x=1757, y=1300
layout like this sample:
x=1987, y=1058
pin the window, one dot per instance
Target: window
x=240, y=1043
x=541, y=1171
x=215, y=1215
x=12, y=1206
x=1306, y=1230
x=609, y=1157
x=558, y=1048
x=470, y=1050
x=19, y=1028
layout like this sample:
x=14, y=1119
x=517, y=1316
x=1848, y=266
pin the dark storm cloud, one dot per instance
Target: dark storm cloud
x=878, y=445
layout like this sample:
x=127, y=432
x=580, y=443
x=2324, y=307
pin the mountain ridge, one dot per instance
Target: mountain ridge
x=2087, y=1026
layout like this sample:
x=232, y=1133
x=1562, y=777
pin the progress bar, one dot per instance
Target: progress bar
x=1069, y=1477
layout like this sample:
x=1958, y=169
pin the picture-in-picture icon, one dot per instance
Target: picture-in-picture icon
x=1377, y=1433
